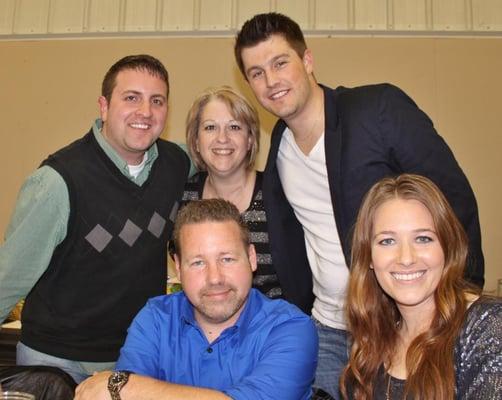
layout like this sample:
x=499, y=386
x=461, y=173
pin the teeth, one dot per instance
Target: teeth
x=278, y=95
x=223, y=152
x=139, y=126
x=408, y=276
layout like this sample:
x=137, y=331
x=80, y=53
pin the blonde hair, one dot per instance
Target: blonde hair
x=208, y=210
x=240, y=109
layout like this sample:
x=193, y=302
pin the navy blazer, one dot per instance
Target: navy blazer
x=370, y=132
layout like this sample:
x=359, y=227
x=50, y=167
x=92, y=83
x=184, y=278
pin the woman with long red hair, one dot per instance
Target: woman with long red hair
x=419, y=331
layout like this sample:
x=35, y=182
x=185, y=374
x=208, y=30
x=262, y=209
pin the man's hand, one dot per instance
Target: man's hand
x=94, y=388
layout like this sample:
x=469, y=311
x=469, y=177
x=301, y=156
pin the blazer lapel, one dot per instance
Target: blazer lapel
x=333, y=150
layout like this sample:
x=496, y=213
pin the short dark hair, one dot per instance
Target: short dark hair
x=208, y=210
x=261, y=27
x=139, y=62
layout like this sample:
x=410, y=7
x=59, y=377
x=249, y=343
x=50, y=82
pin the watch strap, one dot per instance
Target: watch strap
x=116, y=382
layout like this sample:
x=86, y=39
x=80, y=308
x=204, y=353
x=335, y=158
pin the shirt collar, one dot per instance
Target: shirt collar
x=250, y=309
x=152, y=152
x=186, y=312
x=243, y=322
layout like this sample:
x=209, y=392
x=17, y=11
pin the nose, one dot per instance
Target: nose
x=222, y=135
x=271, y=78
x=145, y=109
x=407, y=256
x=214, y=275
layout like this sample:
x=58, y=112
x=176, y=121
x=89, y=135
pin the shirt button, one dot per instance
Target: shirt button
x=209, y=350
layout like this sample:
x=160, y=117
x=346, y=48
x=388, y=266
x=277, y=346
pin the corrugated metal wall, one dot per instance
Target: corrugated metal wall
x=83, y=18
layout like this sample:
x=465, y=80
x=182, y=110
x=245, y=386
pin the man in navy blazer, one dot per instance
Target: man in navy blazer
x=327, y=149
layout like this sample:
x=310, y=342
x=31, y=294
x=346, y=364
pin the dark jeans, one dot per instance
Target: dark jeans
x=332, y=359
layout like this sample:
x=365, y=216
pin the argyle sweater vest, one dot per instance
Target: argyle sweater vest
x=114, y=255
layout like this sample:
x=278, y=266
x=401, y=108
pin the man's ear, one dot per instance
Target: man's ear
x=103, y=107
x=308, y=61
x=177, y=263
x=252, y=257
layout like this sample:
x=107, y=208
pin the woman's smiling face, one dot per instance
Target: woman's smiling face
x=406, y=254
x=222, y=141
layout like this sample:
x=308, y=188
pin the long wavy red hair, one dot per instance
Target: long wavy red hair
x=373, y=317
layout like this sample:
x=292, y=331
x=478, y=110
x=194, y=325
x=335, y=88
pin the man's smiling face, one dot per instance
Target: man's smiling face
x=281, y=80
x=136, y=114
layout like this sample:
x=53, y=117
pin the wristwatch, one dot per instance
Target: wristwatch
x=116, y=382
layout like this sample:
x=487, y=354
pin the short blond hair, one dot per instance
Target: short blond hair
x=240, y=109
x=208, y=210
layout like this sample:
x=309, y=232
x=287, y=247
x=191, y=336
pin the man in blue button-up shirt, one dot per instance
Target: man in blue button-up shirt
x=219, y=338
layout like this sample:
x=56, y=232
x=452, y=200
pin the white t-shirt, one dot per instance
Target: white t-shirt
x=305, y=183
x=134, y=170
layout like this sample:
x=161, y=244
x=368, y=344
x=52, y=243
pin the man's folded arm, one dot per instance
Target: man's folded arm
x=287, y=364
x=144, y=388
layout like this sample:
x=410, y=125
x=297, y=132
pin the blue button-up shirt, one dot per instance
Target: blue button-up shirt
x=270, y=353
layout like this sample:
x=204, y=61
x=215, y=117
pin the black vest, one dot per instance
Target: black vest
x=114, y=255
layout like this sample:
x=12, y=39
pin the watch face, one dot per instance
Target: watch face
x=118, y=377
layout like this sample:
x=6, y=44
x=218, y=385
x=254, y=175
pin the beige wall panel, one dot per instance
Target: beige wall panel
x=104, y=15
x=6, y=16
x=66, y=16
x=42, y=17
x=332, y=14
x=140, y=15
x=370, y=14
x=358, y=61
x=246, y=9
x=487, y=15
x=215, y=15
x=449, y=15
x=177, y=15
x=457, y=82
x=410, y=15
x=297, y=10
x=469, y=114
x=31, y=16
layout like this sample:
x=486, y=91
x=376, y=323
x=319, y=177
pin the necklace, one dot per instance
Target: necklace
x=312, y=129
x=305, y=143
x=241, y=195
x=388, y=392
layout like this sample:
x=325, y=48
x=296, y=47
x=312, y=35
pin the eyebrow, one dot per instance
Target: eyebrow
x=233, y=120
x=271, y=61
x=136, y=92
x=418, y=230
x=189, y=259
